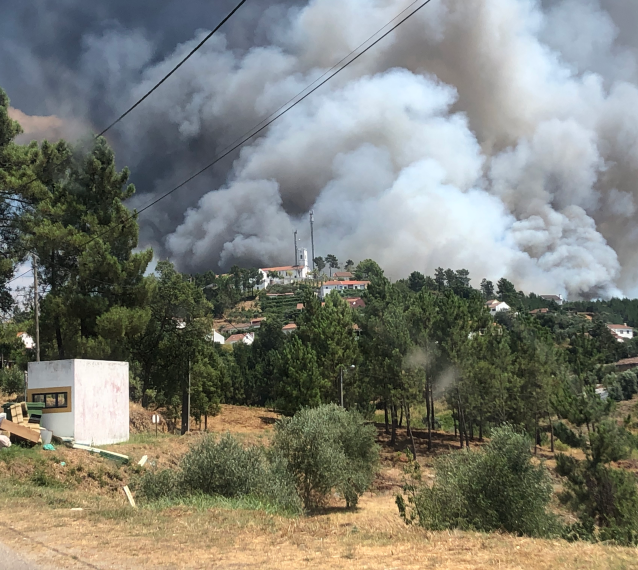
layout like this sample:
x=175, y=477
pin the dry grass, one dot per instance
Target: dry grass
x=107, y=533
x=112, y=536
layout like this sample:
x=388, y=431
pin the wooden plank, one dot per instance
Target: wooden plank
x=20, y=431
x=129, y=496
x=113, y=455
x=102, y=452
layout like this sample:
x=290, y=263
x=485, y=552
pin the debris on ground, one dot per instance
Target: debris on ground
x=22, y=423
x=102, y=452
x=143, y=461
x=48, y=447
x=4, y=441
x=129, y=496
x=20, y=431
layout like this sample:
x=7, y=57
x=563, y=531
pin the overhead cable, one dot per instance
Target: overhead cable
x=199, y=45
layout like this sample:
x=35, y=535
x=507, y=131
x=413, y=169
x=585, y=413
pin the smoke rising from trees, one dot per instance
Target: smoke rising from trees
x=496, y=135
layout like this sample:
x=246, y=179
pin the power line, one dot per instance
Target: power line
x=263, y=126
x=323, y=75
x=18, y=277
x=199, y=45
x=266, y=122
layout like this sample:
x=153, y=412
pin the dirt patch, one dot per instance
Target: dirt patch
x=372, y=536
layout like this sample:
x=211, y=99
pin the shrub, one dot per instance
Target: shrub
x=495, y=488
x=225, y=468
x=568, y=436
x=605, y=499
x=628, y=382
x=222, y=467
x=164, y=484
x=326, y=449
x=12, y=380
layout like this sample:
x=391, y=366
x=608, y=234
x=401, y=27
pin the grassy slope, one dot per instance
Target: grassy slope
x=37, y=495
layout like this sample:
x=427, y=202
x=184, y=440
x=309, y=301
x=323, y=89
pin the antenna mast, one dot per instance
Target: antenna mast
x=296, y=250
x=312, y=237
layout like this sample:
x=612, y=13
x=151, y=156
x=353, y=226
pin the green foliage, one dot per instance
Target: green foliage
x=299, y=381
x=605, y=499
x=326, y=449
x=222, y=467
x=225, y=468
x=12, y=380
x=568, y=436
x=496, y=488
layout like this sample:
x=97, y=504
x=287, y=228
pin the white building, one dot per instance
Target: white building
x=621, y=332
x=496, y=306
x=246, y=338
x=286, y=274
x=217, y=337
x=342, y=286
x=558, y=299
x=26, y=339
x=87, y=400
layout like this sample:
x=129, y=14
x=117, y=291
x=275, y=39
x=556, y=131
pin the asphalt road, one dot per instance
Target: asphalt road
x=11, y=561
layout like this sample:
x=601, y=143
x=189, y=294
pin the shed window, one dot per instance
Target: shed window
x=51, y=399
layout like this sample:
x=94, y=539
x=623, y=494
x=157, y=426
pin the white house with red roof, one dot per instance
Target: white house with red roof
x=496, y=306
x=246, y=338
x=329, y=286
x=621, y=332
x=286, y=274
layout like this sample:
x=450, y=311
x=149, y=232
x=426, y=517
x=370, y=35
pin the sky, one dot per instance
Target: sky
x=499, y=136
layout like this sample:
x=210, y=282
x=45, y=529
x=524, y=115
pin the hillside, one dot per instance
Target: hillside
x=222, y=533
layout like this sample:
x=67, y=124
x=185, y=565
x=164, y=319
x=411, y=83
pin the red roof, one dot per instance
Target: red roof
x=356, y=303
x=347, y=283
x=628, y=362
x=619, y=327
x=235, y=338
x=289, y=327
x=282, y=268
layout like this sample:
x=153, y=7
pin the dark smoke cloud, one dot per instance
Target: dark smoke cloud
x=497, y=135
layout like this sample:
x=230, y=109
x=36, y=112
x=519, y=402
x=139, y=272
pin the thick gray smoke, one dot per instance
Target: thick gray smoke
x=496, y=135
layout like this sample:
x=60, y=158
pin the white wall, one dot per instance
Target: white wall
x=99, y=399
x=55, y=374
x=101, y=404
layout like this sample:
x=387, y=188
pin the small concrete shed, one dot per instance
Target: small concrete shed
x=87, y=400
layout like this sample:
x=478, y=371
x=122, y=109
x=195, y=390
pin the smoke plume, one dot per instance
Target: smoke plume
x=496, y=135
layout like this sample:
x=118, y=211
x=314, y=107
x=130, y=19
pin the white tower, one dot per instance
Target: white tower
x=302, y=261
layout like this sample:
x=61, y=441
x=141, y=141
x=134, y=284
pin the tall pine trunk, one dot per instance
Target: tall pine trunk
x=428, y=415
x=409, y=428
x=393, y=411
x=387, y=422
x=551, y=433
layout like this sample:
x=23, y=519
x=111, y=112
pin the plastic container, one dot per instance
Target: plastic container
x=7, y=410
x=36, y=407
x=46, y=436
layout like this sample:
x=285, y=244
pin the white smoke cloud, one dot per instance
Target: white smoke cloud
x=496, y=135
x=505, y=145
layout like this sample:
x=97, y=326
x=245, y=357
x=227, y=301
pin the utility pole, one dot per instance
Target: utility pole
x=312, y=237
x=36, y=308
x=186, y=403
x=351, y=368
x=296, y=250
